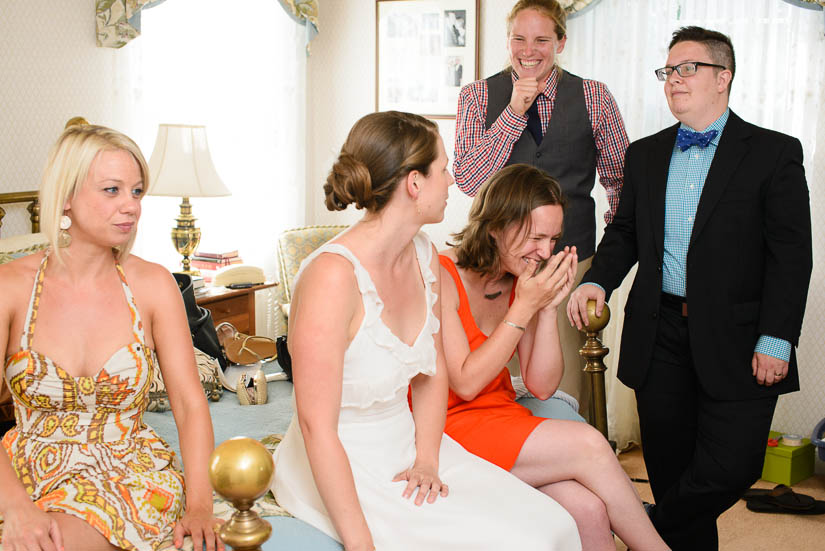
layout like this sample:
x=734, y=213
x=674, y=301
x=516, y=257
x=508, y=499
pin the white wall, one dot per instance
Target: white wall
x=343, y=61
x=50, y=71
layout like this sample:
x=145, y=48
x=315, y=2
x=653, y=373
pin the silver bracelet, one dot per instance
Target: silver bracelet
x=511, y=324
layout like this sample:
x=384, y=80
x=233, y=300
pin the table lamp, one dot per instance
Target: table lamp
x=182, y=167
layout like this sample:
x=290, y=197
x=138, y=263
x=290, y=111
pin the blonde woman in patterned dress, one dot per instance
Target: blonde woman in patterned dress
x=78, y=325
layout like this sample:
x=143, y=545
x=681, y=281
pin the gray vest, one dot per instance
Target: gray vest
x=567, y=153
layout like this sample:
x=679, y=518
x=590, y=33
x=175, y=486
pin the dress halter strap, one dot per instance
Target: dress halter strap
x=34, y=302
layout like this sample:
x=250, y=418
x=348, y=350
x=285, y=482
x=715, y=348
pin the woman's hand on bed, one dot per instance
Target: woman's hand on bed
x=27, y=527
x=202, y=526
x=425, y=478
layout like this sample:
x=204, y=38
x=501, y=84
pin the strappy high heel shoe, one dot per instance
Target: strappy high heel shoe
x=254, y=395
x=244, y=349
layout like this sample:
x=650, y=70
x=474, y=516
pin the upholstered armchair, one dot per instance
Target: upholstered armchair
x=293, y=247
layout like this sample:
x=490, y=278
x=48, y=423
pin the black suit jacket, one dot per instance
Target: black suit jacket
x=748, y=263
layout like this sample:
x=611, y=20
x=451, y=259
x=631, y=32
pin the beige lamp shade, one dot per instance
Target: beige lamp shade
x=181, y=165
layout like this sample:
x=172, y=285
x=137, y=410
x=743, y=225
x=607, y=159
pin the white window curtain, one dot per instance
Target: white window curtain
x=780, y=55
x=240, y=70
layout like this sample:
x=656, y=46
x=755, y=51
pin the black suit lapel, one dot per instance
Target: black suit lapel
x=732, y=148
x=658, y=165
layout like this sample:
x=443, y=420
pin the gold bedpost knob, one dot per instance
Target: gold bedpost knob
x=597, y=323
x=241, y=471
x=593, y=353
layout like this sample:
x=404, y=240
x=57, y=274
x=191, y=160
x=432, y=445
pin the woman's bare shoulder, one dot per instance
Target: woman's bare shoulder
x=20, y=271
x=327, y=272
x=148, y=278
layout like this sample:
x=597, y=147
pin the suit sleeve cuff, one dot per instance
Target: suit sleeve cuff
x=775, y=347
x=594, y=284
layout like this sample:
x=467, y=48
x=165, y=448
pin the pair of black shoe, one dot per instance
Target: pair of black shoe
x=782, y=499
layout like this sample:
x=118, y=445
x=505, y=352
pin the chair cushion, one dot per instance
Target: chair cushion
x=18, y=246
x=293, y=247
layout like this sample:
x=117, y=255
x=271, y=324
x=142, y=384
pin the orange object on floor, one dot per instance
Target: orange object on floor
x=492, y=425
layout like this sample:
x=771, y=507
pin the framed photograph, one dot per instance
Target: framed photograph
x=426, y=51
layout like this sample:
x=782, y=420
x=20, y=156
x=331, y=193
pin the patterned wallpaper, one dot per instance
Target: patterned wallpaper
x=51, y=71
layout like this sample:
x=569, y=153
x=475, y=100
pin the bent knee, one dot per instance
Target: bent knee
x=592, y=443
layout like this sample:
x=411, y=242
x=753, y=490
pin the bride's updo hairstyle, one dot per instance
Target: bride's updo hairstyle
x=381, y=149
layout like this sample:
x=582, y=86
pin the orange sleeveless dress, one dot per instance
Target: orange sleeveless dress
x=492, y=425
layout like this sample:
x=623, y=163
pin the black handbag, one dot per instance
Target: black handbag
x=201, y=326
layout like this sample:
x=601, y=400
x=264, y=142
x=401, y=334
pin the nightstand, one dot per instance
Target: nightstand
x=237, y=306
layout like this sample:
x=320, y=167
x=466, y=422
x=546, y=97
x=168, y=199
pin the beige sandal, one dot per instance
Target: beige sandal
x=252, y=396
x=244, y=349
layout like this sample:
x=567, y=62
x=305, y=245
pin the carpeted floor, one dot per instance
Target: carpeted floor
x=744, y=530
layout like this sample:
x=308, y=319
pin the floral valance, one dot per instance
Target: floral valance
x=118, y=21
x=305, y=12
x=577, y=7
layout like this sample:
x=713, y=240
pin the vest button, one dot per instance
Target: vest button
x=538, y=154
x=654, y=315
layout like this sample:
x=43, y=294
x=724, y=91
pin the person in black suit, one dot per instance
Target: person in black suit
x=719, y=223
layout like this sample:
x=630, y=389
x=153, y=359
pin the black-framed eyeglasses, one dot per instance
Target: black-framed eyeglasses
x=686, y=69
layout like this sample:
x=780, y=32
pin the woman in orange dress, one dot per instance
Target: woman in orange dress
x=501, y=287
x=81, y=325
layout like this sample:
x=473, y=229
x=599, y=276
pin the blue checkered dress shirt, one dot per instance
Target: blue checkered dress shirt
x=685, y=181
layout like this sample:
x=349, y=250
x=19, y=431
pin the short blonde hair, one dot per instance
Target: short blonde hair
x=67, y=168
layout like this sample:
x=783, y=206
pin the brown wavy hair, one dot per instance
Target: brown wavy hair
x=507, y=198
x=380, y=150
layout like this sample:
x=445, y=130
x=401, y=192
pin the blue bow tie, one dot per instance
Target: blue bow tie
x=685, y=139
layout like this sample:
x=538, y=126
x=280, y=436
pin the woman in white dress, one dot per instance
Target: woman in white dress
x=364, y=327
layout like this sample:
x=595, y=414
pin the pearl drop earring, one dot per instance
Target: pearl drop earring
x=64, y=238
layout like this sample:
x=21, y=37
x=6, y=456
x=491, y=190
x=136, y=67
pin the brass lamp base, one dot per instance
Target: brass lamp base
x=185, y=236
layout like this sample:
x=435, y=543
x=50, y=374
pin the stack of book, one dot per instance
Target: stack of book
x=209, y=263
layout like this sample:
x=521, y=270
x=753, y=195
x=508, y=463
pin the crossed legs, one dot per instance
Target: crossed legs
x=573, y=463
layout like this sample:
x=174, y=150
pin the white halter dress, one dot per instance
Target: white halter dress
x=487, y=508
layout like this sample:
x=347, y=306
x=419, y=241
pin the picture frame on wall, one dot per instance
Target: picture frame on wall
x=426, y=50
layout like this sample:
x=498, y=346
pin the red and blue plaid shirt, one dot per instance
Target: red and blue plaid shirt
x=480, y=153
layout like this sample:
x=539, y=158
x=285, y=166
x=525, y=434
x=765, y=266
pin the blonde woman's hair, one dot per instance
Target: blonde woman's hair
x=549, y=8
x=380, y=150
x=506, y=199
x=67, y=168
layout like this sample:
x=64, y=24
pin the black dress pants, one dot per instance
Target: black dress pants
x=701, y=454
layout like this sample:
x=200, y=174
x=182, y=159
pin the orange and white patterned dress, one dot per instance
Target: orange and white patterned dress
x=80, y=445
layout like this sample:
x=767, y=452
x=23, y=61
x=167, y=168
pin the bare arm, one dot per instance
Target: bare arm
x=321, y=319
x=176, y=358
x=429, y=401
x=539, y=350
x=25, y=526
x=470, y=371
